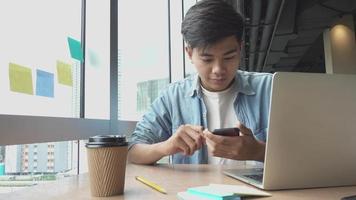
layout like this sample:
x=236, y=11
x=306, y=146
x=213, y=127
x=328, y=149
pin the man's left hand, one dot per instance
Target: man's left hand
x=243, y=147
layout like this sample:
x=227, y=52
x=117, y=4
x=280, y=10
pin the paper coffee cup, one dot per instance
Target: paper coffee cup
x=107, y=164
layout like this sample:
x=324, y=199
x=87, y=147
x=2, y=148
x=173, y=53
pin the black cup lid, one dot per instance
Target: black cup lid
x=106, y=141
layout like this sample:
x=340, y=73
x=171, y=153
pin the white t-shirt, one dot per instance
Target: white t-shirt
x=221, y=114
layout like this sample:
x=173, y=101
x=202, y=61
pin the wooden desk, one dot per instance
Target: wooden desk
x=174, y=178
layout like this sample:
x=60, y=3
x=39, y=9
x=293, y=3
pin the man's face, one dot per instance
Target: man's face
x=217, y=64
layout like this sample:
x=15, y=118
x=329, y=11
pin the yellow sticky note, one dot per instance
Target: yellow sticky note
x=64, y=73
x=20, y=79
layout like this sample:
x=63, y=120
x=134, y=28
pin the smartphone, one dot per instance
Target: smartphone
x=227, y=132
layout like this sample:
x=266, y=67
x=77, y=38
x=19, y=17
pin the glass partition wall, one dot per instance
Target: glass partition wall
x=38, y=77
x=56, y=78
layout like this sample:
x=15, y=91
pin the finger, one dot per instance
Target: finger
x=217, y=150
x=211, y=147
x=192, y=144
x=196, y=132
x=183, y=146
x=197, y=128
x=243, y=129
x=196, y=136
x=211, y=136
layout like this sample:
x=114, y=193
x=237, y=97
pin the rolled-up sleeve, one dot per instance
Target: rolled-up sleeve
x=155, y=125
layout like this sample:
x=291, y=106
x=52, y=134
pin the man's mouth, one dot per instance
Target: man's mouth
x=218, y=80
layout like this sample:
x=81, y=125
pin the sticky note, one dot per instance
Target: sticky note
x=2, y=169
x=210, y=193
x=45, y=84
x=20, y=79
x=64, y=73
x=75, y=49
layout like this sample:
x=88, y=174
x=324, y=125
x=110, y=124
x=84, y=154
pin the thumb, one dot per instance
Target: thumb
x=243, y=129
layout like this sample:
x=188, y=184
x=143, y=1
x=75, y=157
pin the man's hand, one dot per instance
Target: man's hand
x=187, y=139
x=243, y=147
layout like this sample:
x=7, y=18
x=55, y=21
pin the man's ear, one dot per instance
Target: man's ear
x=189, y=51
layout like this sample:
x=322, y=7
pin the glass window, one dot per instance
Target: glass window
x=39, y=76
x=143, y=55
x=189, y=67
x=97, y=68
x=176, y=42
x=97, y=60
x=31, y=164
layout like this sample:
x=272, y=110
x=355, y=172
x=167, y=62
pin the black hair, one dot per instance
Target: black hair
x=209, y=21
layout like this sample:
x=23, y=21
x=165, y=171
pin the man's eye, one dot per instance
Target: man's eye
x=229, y=58
x=206, y=60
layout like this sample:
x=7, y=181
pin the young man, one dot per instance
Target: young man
x=180, y=121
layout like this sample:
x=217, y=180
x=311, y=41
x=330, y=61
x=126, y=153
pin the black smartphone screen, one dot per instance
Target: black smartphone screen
x=227, y=132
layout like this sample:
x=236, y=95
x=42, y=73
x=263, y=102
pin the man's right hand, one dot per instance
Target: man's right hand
x=187, y=139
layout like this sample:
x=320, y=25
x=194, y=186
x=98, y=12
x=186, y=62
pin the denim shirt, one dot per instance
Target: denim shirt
x=182, y=103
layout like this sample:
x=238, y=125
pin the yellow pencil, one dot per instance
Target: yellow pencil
x=151, y=184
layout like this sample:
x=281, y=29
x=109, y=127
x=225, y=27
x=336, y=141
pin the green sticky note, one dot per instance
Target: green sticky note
x=75, y=49
x=20, y=79
x=64, y=73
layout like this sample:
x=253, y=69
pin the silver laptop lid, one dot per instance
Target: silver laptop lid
x=312, y=131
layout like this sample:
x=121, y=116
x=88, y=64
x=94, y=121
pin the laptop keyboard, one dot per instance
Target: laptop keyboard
x=256, y=177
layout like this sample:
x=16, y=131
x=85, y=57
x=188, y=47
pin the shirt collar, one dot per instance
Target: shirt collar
x=241, y=84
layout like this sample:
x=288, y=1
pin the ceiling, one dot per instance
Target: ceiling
x=286, y=35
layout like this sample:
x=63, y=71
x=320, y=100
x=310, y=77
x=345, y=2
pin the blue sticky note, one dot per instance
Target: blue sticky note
x=45, y=84
x=75, y=49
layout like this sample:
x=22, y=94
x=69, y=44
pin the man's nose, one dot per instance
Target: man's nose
x=218, y=67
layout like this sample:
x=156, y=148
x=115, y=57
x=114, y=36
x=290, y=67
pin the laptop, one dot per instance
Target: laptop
x=311, y=140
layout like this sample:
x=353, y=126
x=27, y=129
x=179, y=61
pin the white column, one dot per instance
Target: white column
x=339, y=47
